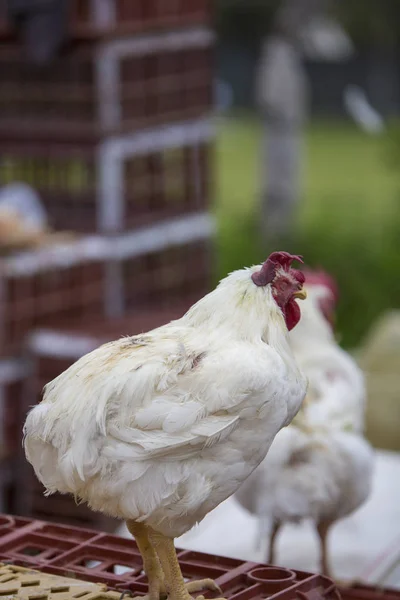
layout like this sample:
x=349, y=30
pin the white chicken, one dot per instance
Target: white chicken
x=320, y=467
x=158, y=429
x=23, y=221
x=336, y=393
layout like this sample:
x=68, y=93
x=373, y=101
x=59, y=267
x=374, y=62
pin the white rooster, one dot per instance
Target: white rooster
x=158, y=429
x=320, y=467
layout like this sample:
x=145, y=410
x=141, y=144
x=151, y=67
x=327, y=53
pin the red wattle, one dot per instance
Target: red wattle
x=292, y=314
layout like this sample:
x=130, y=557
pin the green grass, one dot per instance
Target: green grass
x=348, y=220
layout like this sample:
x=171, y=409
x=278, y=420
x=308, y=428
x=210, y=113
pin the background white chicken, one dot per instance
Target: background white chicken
x=336, y=392
x=320, y=467
x=160, y=428
x=23, y=220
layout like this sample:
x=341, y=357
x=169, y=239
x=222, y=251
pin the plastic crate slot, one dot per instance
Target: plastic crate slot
x=81, y=594
x=199, y=570
x=77, y=535
x=30, y=582
x=266, y=574
x=90, y=563
x=61, y=588
x=32, y=550
x=119, y=569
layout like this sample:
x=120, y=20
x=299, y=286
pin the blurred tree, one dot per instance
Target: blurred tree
x=242, y=20
x=370, y=22
x=364, y=20
x=374, y=29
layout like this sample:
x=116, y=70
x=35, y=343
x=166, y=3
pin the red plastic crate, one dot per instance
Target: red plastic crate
x=117, y=563
x=10, y=524
x=116, y=185
x=164, y=278
x=12, y=375
x=91, y=19
x=44, y=288
x=119, y=86
x=7, y=470
x=4, y=25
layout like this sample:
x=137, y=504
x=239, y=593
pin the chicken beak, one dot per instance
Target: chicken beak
x=300, y=294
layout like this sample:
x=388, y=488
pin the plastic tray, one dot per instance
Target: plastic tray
x=87, y=92
x=19, y=582
x=115, y=562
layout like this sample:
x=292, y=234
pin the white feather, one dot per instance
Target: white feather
x=162, y=427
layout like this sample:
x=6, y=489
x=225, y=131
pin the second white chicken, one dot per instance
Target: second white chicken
x=320, y=467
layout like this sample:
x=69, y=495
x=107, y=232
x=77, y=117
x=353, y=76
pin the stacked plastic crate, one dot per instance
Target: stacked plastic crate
x=115, y=134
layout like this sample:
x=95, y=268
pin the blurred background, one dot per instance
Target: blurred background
x=147, y=148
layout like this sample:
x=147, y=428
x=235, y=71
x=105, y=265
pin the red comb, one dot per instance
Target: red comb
x=321, y=277
x=277, y=259
x=284, y=258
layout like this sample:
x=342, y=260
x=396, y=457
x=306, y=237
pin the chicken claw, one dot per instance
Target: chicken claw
x=202, y=584
x=191, y=587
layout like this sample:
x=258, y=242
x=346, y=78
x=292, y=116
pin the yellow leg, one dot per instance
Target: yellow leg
x=177, y=588
x=323, y=530
x=151, y=563
x=271, y=557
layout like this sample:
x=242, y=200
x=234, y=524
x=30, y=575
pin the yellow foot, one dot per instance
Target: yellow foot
x=202, y=584
x=146, y=597
x=160, y=596
x=191, y=587
x=157, y=591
